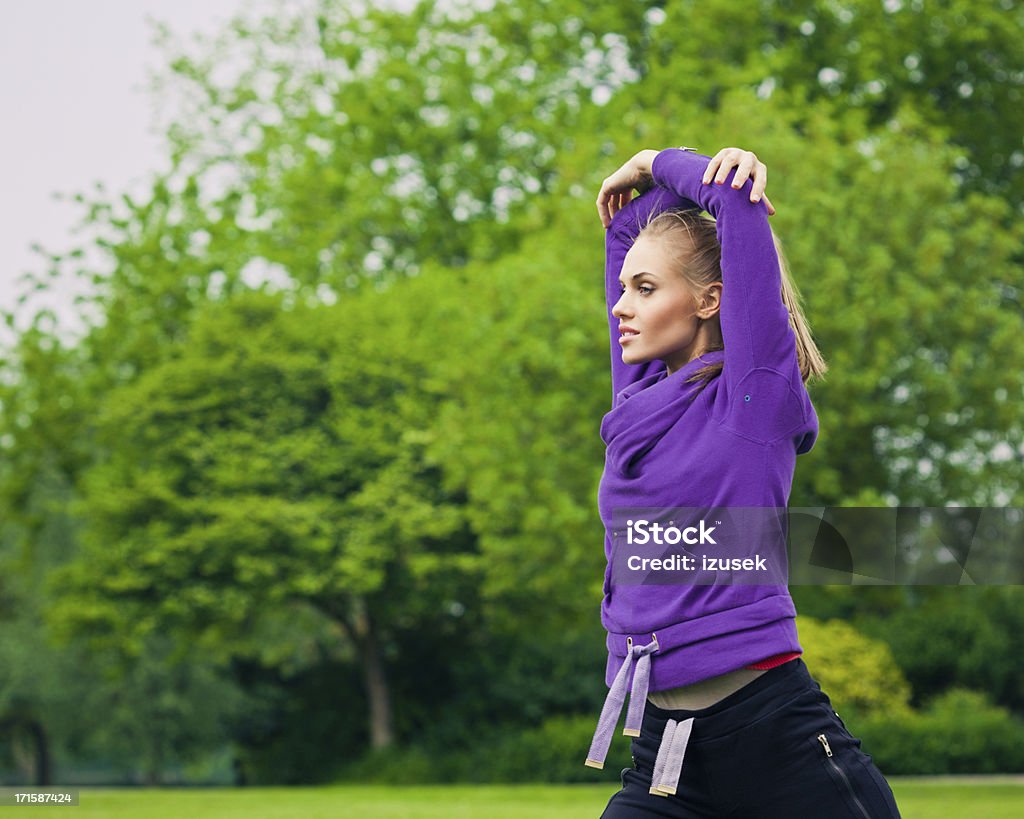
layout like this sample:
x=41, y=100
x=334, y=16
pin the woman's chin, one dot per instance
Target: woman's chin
x=630, y=357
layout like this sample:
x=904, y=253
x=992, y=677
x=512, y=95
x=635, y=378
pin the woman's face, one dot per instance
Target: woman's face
x=657, y=305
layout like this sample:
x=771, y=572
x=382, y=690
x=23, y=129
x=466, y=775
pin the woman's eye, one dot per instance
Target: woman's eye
x=643, y=288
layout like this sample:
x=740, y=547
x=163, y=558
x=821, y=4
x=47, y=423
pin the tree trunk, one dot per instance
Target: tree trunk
x=30, y=748
x=377, y=689
x=364, y=635
x=43, y=768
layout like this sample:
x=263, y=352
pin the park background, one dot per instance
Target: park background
x=312, y=496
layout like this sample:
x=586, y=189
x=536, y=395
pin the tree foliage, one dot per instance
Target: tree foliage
x=956, y=64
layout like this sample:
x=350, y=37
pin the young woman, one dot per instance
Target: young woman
x=710, y=357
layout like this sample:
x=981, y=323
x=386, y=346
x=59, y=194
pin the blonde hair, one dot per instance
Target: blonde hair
x=693, y=238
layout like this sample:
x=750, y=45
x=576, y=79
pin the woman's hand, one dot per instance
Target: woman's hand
x=747, y=164
x=617, y=189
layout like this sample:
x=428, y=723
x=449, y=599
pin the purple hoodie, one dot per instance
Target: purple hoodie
x=734, y=446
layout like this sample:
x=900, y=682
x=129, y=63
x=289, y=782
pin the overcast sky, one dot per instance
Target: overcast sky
x=75, y=111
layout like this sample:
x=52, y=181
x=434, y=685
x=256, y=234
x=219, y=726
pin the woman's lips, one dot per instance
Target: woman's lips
x=627, y=337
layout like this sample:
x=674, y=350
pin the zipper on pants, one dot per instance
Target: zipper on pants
x=828, y=753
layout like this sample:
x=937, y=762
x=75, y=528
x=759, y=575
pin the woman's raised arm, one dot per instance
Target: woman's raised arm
x=761, y=370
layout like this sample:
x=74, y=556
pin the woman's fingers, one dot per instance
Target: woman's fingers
x=743, y=169
x=732, y=158
x=616, y=192
x=604, y=204
x=609, y=199
x=607, y=206
x=745, y=162
x=619, y=201
x=613, y=206
x=709, y=172
x=747, y=165
x=760, y=181
x=760, y=176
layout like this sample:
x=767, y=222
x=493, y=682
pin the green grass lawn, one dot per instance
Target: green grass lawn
x=995, y=798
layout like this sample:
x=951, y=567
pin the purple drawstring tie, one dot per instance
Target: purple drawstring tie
x=617, y=696
x=669, y=764
x=659, y=762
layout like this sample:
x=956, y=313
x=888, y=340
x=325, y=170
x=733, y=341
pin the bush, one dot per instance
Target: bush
x=553, y=751
x=860, y=675
x=960, y=731
x=984, y=623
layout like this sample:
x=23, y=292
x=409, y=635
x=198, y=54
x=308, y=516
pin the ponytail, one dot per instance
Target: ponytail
x=694, y=238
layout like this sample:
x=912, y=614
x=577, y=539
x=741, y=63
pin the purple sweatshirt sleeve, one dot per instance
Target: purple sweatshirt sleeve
x=619, y=237
x=764, y=389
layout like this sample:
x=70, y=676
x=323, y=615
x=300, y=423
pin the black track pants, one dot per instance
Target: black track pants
x=774, y=749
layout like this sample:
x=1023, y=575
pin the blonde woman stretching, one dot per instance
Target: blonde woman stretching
x=710, y=357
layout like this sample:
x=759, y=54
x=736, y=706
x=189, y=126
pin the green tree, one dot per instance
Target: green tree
x=42, y=683
x=956, y=63
x=276, y=459
x=361, y=142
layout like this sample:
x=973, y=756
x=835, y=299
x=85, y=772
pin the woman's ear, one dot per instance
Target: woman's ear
x=712, y=300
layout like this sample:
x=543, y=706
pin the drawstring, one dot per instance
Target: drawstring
x=638, y=696
x=659, y=762
x=669, y=763
x=617, y=696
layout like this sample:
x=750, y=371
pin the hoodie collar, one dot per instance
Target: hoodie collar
x=646, y=409
x=678, y=377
